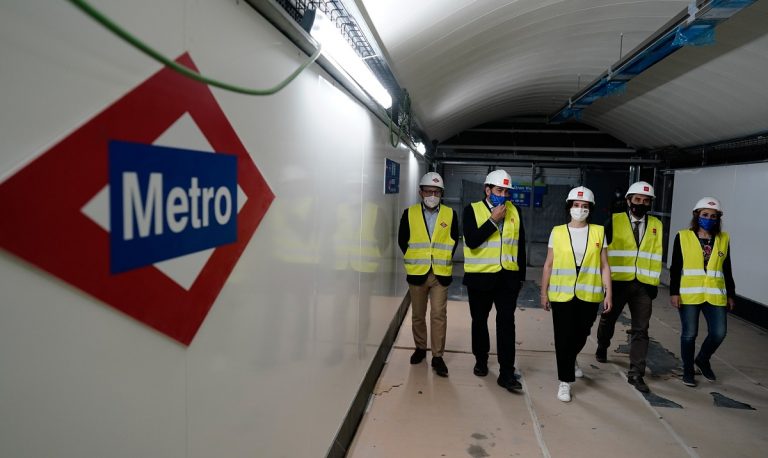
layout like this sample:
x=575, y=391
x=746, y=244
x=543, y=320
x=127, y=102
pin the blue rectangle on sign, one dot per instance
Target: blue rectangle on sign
x=391, y=177
x=521, y=195
x=168, y=202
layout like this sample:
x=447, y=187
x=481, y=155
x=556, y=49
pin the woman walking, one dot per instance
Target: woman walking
x=576, y=278
x=701, y=281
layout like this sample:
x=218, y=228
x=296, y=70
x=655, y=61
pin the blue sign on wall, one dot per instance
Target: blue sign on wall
x=392, y=177
x=520, y=195
x=168, y=202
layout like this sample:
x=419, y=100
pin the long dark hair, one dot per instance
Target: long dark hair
x=714, y=231
x=569, y=205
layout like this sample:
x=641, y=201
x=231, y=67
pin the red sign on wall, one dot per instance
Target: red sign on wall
x=42, y=206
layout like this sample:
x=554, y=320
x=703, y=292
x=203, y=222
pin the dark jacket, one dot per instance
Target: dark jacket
x=473, y=237
x=404, y=234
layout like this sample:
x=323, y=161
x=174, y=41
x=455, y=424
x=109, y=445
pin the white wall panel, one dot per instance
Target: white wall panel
x=741, y=190
x=275, y=365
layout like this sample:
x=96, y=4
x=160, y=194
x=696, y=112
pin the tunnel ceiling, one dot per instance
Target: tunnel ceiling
x=469, y=62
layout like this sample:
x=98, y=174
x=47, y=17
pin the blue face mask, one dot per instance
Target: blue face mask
x=497, y=200
x=707, y=224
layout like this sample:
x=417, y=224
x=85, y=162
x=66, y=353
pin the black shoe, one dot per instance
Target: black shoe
x=439, y=366
x=510, y=383
x=601, y=355
x=639, y=384
x=481, y=369
x=706, y=369
x=689, y=380
x=418, y=356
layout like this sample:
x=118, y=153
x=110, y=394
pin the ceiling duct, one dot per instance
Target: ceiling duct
x=694, y=27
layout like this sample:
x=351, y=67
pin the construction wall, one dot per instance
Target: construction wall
x=255, y=346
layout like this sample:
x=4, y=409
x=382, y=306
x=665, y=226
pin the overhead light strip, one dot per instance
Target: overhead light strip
x=343, y=56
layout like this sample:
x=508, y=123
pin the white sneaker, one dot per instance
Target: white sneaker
x=564, y=392
x=577, y=371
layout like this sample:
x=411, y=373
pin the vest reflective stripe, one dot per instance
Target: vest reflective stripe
x=649, y=273
x=590, y=289
x=418, y=261
x=564, y=283
x=293, y=244
x=651, y=256
x=622, y=269
x=618, y=253
x=590, y=270
x=701, y=291
x=355, y=244
x=500, y=250
x=696, y=284
x=509, y=259
x=423, y=253
x=479, y=261
x=627, y=260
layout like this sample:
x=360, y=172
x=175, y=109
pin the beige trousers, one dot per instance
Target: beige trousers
x=438, y=298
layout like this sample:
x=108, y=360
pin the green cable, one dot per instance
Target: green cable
x=393, y=140
x=186, y=71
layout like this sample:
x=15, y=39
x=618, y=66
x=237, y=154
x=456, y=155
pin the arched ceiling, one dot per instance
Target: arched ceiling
x=468, y=62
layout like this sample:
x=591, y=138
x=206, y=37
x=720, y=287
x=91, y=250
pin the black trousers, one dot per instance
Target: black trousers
x=572, y=321
x=480, y=303
x=636, y=295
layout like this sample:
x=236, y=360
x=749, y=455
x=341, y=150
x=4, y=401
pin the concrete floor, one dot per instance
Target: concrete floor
x=414, y=413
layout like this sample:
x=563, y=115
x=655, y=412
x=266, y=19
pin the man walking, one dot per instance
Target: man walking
x=427, y=237
x=494, y=269
x=634, y=254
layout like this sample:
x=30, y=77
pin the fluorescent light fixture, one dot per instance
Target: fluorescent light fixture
x=336, y=47
x=420, y=148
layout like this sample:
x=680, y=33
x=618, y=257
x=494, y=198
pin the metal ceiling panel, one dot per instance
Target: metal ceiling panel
x=469, y=62
x=699, y=94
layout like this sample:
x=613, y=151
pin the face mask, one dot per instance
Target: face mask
x=497, y=200
x=579, y=214
x=707, y=224
x=431, y=201
x=639, y=210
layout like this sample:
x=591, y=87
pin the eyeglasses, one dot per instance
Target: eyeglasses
x=437, y=193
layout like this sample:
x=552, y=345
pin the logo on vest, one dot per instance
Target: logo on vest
x=442, y=224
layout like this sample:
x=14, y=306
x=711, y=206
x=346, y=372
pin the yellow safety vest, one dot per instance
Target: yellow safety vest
x=500, y=250
x=423, y=253
x=627, y=260
x=698, y=285
x=292, y=244
x=564, y=284
x=355, y=241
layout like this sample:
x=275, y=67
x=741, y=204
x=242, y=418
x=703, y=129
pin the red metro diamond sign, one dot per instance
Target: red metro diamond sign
x=147, y=206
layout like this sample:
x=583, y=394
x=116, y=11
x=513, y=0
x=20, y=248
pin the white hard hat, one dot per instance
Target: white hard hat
x=581, y=193
x=432, y=179
x=708, y=202
x=499, y=178
x=641, y=187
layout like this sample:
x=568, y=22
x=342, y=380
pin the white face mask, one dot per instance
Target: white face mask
x=431, y=201
x=579, y=214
